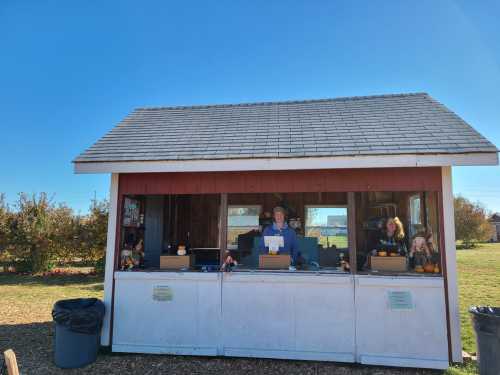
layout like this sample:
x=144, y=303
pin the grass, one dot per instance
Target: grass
x=478, y=284
x=29, y=299
x=25, y=324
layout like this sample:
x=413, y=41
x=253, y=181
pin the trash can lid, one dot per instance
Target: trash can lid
x=485, y=311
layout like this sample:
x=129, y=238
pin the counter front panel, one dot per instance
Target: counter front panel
x=382, y=320
x=162, y=312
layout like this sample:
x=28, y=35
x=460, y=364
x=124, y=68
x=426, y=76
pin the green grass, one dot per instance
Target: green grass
x=27, y=299
x=339, y=241
x=479, y=284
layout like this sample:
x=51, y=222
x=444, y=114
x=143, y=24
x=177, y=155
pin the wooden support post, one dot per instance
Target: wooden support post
x=11, y=362
x=223, y=227
x=351, y=231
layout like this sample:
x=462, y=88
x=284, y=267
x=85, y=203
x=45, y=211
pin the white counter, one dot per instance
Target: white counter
x=308, y=316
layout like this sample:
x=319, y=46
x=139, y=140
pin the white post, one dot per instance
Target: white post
x=110, y=259
x=451, y=264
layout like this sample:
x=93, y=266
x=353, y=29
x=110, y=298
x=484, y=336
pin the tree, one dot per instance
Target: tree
x=94, y=230
x=471, y=224
x=4, y=227
x=31, y=233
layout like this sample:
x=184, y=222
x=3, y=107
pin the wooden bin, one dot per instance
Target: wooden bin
x=388, y=263
x=175, y=262
x=279, y=261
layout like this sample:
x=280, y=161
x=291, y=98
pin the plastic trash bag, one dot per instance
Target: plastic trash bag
x=81, y=315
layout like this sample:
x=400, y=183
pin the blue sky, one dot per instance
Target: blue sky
x=70, y=70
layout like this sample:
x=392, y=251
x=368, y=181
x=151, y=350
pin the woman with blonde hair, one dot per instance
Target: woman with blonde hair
x=393, y=237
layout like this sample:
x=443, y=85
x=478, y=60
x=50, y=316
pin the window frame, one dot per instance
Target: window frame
x=307, y=206
x=259, y=206
x=411, y=224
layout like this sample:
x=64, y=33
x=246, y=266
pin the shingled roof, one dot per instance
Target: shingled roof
x=368, y=125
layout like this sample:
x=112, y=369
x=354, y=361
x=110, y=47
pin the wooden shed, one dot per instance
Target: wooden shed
x=193, y=188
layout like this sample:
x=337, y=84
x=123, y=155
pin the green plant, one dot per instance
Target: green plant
x=471, y=224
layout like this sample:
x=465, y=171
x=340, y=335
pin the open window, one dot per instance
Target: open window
x=398, y=232
x=328, y=224
x=241, y=220
x=318, y=221
x=170, y=232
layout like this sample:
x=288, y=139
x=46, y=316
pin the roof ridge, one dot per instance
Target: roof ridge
x=251, y=104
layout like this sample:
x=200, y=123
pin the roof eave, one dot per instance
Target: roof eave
x=254, y=164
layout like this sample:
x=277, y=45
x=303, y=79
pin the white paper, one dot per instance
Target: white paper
x=273, y=243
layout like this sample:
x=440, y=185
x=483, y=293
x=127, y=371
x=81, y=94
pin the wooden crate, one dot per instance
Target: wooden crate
x=279, y=261
x=175, y=262
x=388, y=263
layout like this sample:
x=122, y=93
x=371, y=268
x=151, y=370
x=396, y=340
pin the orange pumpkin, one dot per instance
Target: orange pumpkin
x=429, y=267
x=436, y=269
x=419, y=269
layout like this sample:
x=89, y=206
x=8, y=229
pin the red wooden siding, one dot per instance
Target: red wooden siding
x=327, y=180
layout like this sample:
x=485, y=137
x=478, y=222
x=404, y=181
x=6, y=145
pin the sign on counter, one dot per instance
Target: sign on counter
x=400, y=300
x=162, y=293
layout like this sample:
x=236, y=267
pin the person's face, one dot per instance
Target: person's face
x=279, y=217
x=391, y=226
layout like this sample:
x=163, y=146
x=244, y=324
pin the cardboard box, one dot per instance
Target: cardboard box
x=388, y=263
x=275, y=262
x=175, y=262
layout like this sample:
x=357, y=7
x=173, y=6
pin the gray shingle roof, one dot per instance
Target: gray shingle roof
x=369, y=125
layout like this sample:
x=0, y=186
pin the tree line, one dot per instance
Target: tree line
x=37, y=234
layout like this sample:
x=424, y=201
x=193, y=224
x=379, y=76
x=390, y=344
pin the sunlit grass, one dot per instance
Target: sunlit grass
x=479, y=284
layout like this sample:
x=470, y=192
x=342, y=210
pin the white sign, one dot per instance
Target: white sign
x=400, y=300
x=162, y=293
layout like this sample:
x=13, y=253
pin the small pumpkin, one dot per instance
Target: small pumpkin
x=419, y=269
x=382, y=253
x=429, y=267
x=436, y=269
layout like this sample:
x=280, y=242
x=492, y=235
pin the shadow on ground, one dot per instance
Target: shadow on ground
x=14, y=279
x=33, y=346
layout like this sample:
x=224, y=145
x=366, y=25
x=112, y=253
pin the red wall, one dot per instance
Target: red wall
x=325, y=180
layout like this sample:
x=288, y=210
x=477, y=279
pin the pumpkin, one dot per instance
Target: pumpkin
x=429, y=267
x=382, y=253
x=436, y=269
x=419, y=269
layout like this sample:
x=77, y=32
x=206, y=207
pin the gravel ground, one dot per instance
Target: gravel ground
x=33, y=346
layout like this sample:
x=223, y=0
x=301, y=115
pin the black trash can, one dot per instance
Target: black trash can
x=77, y=331
x=486, y=322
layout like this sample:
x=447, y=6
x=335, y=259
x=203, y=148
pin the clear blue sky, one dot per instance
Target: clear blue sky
x=70, y=70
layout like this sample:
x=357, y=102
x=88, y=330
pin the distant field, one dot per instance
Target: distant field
x=339, y=241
